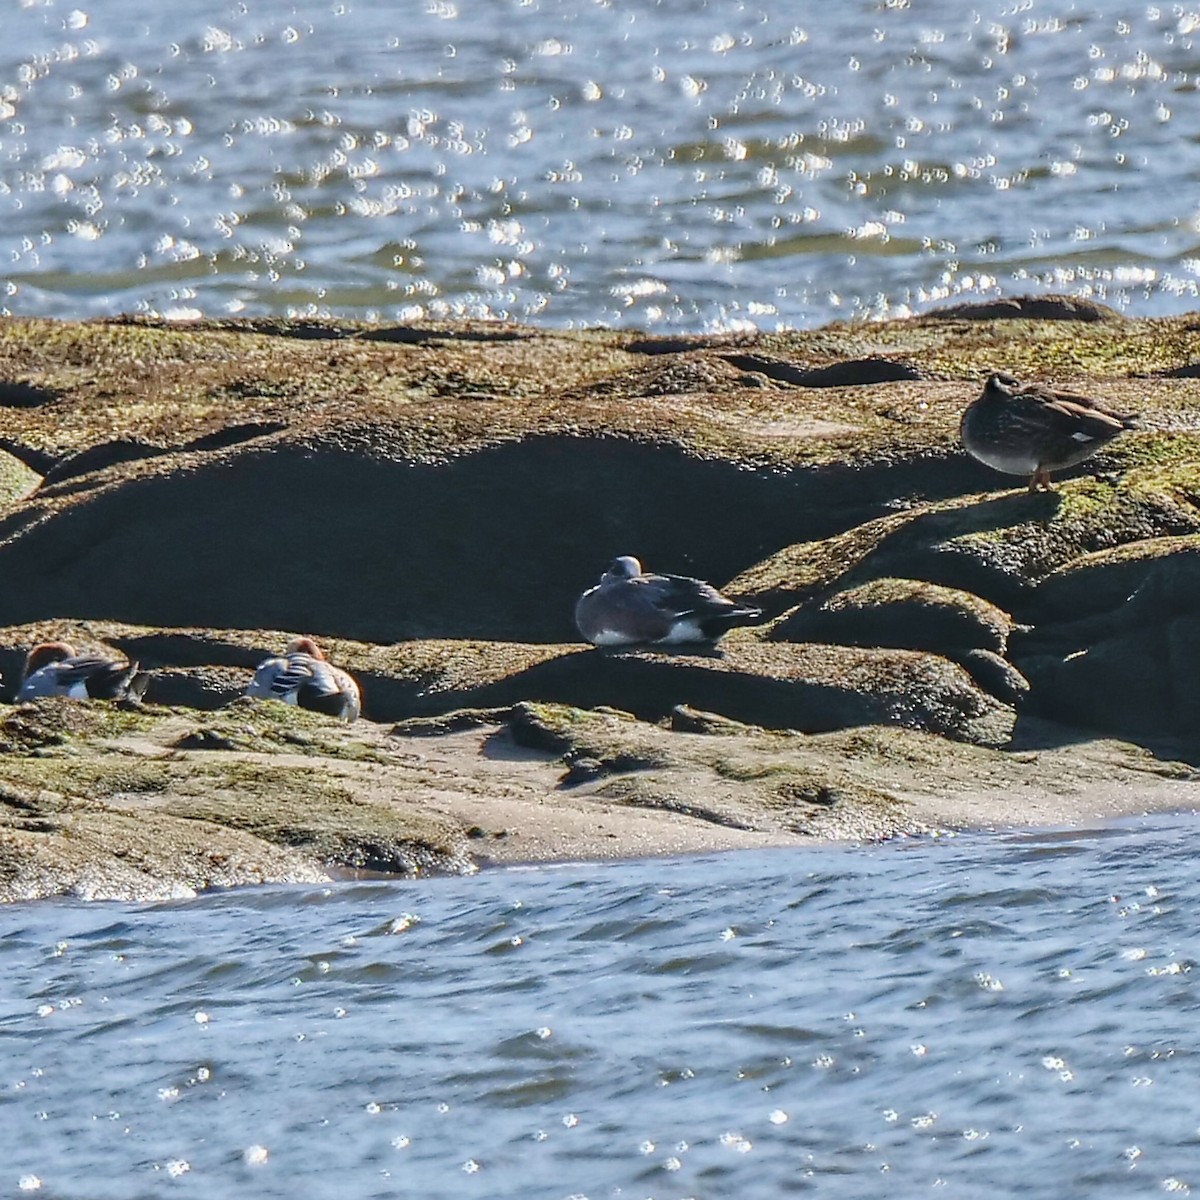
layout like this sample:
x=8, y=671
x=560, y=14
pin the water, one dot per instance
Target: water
x=572, y=162
x=1005, y=1015
x=1001, y=1016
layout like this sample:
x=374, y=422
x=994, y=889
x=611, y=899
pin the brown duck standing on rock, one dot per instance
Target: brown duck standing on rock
x=302, y=676
x=1030, y=429
x=54, y=669
x=629, y=608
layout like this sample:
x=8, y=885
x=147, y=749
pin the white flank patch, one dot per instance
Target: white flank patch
x=685, y=631
x=608, y=637
x=1083, y=437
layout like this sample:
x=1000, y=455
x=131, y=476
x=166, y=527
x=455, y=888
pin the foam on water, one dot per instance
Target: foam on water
x=1013, y=1014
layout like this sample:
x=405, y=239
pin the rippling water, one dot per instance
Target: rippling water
x=1003, y=1016
x=975, y=1017
x=652, y=162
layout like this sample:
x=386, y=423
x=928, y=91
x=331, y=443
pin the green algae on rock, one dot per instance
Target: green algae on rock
x=904, y=613
x=551, y=450
x=98, y=799
x=17, y=480
x=762, y=780
x=778, y=685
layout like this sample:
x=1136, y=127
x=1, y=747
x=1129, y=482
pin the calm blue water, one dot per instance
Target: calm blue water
x=690, y=163
x=1013, y=1015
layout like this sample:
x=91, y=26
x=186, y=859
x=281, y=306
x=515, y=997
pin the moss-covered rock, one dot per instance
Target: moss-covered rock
x=747, y=779
x=776, y=685
x=100, y=799
x=1101, y=582
x=433, y=466
x=17, y=480
x=903, y=613
x=868, y=782
x=996, y=546
x=430, y=500
x=1124, y=652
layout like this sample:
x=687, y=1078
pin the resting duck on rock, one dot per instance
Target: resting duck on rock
x=1030, y=429
x=303, y=676
x=54, y=669
x=628, y=608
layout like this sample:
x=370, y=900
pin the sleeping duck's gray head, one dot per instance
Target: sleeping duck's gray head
x=625, y=567
x=1002, y=381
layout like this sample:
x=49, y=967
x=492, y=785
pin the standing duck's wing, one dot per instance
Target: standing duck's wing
x=1067, y=414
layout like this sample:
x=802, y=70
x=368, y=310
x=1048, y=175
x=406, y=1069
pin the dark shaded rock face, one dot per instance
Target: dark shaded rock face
x=814, y=688
x=494, y=544
x=497, y=544
x=844, y=374
x=1124, y=654
x=15, y=394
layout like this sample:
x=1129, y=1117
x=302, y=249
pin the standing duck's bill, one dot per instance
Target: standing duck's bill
x=303, y=676
x=54, y=669
x=630, y=608
x=1030, y=429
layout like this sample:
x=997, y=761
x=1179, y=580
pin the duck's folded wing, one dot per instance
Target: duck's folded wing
x=1068, y=414
x=331, y=691
x=83, y=677
x=104, y=678
x=679, y=596
x=280, y=678
x=308, y=682
x=100, y=678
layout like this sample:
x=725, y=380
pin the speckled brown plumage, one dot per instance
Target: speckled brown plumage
x=1031, y=429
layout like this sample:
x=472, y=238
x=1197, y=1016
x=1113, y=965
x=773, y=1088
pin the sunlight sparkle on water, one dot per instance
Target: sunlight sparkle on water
x=948, y=130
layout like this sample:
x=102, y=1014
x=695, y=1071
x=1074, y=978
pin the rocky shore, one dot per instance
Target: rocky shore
x=940, y=649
